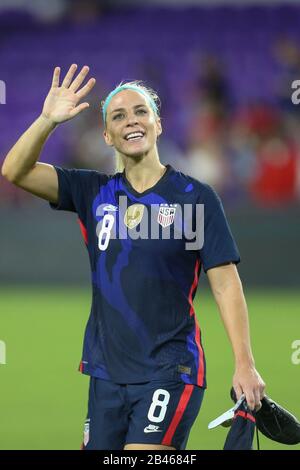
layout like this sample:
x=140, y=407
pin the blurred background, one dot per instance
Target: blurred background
x=224, y=71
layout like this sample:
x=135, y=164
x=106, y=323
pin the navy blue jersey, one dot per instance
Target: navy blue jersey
x=142, y=324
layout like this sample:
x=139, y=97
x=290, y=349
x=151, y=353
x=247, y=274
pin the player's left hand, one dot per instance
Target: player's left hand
x=247, y=380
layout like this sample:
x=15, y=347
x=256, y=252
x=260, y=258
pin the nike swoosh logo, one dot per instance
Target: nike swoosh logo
x=152, y=430
x=110, y=208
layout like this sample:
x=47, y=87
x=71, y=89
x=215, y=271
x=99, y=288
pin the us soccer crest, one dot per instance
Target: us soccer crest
x=166, y=214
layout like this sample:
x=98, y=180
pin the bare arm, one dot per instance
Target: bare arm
x=228, y=293
x=20, y=166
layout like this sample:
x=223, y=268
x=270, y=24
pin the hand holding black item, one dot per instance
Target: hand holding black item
x=275, y=422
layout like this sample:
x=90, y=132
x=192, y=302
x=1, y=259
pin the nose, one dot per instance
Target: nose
x=131, y=119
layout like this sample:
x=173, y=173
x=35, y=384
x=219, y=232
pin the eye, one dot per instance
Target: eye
x=118, y=116
x=141, y=111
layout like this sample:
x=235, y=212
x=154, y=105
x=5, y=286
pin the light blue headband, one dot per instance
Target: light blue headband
x=128, y=87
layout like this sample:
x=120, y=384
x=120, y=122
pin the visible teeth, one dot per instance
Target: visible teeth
x=134, y=135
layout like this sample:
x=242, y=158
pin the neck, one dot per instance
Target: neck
x=144, y=172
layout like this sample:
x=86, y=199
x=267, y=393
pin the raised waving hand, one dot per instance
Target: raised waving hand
x=21, y=166
x=62, y=101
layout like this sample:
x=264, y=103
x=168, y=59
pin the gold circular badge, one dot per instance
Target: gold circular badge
x=134, y=215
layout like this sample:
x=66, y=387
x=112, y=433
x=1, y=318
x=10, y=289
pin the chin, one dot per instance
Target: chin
x=136, y=153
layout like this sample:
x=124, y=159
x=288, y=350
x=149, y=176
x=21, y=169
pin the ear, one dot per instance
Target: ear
x=158, y=127
x=107, y=138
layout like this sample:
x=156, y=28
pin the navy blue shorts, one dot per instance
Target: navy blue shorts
x=156, y=412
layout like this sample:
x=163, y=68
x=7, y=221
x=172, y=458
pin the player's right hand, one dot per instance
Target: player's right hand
x=62, y=101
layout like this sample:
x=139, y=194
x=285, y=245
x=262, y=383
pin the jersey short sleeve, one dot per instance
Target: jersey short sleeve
x=219, y=246
x=74, y=188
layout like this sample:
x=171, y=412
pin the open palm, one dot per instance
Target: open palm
x=62, y=101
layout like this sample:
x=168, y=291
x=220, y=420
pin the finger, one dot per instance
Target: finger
x=86, y=89
x=250, y=398
x=55, y=79
x=257, y=405
x=78, y=109
x=79, y=79
x=238, y=391
x=68, y=78
x=262, y=390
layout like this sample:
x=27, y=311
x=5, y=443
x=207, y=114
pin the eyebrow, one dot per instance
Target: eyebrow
x=123, y=109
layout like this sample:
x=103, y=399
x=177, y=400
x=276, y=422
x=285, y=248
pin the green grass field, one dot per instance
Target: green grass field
x=44, y=398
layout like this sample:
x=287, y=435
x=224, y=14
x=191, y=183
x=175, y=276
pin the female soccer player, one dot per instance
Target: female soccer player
x=142, y=345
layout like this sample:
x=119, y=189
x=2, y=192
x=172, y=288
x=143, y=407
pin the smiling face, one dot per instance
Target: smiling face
x=131, y=124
